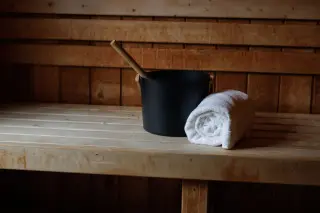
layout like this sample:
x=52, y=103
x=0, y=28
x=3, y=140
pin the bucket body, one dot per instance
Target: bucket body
x=169, y=97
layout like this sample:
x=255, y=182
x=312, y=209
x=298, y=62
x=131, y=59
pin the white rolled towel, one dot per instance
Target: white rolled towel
x=221, y=119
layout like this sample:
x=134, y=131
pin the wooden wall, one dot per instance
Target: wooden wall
x=61, y=50
x=58, y=51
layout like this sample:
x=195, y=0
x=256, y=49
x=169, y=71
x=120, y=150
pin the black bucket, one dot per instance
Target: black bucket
x=169, y=97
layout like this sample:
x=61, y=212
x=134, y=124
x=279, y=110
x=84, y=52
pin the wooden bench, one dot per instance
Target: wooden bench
x=283, y=148
x=271, y=50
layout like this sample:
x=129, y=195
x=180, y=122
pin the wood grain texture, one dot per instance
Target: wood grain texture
x=264, y=90
x=134, y=19
x=161, y=196
x=175, y=61
x=105, y=86
x=135, y=43
x=236, y=81
x=75, y=85
x=225, y=60
x=194, y=197
x=301, y=23
x=133, y=191
x=131, y=95
x=95, y=19
x=198, y=46
x=105, y=83
x=295, y=94
x=295, y=91
x=46, y=83
x=164, y=30
x=212, y=74
x=272, y=9
x=165, y=44
x=87, y=139
x=226, y=81
x=167, y=20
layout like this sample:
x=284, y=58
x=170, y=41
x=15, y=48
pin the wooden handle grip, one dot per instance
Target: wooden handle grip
x=128, y=59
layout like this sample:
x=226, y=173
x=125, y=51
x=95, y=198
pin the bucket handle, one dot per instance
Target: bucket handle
x=137, y=78
x=124, y=54
x=211, y=83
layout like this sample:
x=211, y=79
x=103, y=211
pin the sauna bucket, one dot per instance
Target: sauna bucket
x=168, y=98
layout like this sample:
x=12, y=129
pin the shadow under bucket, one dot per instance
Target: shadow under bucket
x=168, y=98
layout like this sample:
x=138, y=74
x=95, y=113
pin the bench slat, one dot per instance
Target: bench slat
x=71, y=118
x=63, y=139
x=18, y=122
x=121, y=133
x=228, y=167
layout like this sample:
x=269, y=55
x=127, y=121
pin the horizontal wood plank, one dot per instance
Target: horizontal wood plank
x=288, y=155
x=192, y=59
x=161, y=31
x=154, y=164
x=273, y=9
